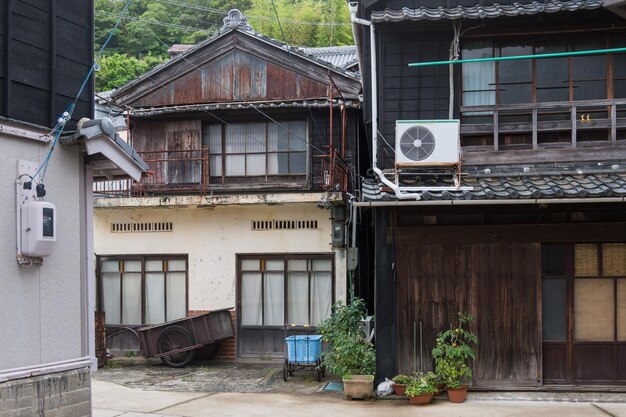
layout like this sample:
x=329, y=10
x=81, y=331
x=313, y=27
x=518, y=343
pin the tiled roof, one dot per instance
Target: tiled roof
x=482, y=11
x=339, y=56
x=520, y=187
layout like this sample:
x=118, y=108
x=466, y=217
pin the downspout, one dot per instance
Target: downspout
x=374, y=88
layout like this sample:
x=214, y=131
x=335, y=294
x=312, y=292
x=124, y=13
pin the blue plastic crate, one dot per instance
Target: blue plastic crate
x=303, y=348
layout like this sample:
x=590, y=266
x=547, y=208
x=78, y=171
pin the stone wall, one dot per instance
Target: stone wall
x=63, y=394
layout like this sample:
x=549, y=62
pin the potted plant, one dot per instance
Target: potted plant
x=452, y=352
x=400, y=382
x=421, y=388
x=349, y=354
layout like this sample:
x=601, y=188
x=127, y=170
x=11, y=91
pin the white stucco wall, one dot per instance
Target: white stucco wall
x=212, y=237
x=41, y=315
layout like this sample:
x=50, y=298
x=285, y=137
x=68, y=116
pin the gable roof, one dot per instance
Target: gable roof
x=485, y=9
x=266, y=56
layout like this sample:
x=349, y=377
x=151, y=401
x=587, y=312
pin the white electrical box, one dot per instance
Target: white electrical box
x=39, y=228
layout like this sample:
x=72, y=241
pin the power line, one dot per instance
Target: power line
x=154, y=22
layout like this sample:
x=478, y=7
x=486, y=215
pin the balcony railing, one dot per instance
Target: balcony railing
x=541, y=125
x=187, y=171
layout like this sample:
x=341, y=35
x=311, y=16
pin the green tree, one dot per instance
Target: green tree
x=118, y=69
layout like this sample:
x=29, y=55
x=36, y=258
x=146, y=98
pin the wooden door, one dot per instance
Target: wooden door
x=505, y=279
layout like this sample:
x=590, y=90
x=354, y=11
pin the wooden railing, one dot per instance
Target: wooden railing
x=570, y=118
x=170, y=171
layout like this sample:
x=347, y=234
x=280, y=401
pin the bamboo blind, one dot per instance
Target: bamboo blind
x=621, y=310
x=586, y=260
x=594, y=309
x=614, y=259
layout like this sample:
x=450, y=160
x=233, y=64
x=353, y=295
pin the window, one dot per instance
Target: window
x=276, y=289
x=142, y=290
x=555, y=79
x=257, y=149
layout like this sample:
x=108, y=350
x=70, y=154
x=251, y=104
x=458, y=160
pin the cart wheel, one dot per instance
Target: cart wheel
x=172, y=339
x=319, y=375
x=291, y=369
x=285, y=371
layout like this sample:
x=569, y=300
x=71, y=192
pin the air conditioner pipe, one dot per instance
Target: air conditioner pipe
x=374, y=88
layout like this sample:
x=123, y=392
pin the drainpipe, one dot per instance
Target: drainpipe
x=374, y=88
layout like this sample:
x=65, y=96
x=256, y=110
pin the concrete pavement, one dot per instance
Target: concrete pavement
x=115, y=400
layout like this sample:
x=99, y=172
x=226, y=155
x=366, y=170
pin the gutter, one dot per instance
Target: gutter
x=536, y=201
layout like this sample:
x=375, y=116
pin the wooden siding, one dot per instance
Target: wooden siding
x=411, y=93
x=42, y=70
x=236, y=67
x=435, y=282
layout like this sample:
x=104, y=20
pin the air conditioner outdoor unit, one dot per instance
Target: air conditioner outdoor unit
x=427, y=142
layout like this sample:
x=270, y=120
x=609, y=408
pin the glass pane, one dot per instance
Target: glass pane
x=176, y=295
x=250, y=265
x=274, y=299
x=111, y=297
x=255, y=164
x=110, y=266
x=297, y=265
x=155, y=297
x=586, y=260
x=298, y=298
x=274, y=265
x=297, y=137
x=235, y=138
x=515, y=77
x=621, y=310
x=251, y=313
x=614, y=259
x=589, y=71
x=255, y=137
x=282, y=135
x=553, y=306
x=212, y=137
x=297, y=163
x=321, y=296
x=478, y=78
x=272, y=164
x=215, y=166
x=323, y=265
x=132, y=266
x=235, y=165
x=593, y=310
x=176, y=265
x=553, y=260
x=272, y=137
x=552, y=74
x=131, y=298
x=154, y=265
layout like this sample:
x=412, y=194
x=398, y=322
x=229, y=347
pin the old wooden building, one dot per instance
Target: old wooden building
x=499, y=186
x=250, y=142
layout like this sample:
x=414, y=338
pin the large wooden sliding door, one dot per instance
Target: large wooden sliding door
x=497, y=283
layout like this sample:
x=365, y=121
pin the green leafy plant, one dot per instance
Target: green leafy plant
x=402, y=379
x=453, y=351
x=422, y=383
x=349, y=353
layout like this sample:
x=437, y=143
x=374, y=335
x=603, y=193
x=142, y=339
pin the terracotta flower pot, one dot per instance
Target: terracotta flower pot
x=421, y=399
x=399, y=389
x=457, y=395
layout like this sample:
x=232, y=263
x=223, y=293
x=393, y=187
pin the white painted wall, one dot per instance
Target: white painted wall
x=41, y=317
x=212, y=237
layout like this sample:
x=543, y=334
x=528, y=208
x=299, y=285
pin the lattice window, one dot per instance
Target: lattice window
x=263, y=225
x=141, y=227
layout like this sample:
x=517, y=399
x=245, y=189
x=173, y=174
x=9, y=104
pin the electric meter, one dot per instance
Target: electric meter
x=39, y=228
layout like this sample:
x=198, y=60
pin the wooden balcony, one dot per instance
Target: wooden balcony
x=559, y=131
x=187, y=172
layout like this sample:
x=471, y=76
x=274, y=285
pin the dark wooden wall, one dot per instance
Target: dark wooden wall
x=46, y=50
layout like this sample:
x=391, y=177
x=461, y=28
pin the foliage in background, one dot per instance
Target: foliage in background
x=150, y=27
x=453, y=351
x=349, y=353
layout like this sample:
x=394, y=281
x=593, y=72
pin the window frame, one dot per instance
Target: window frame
x=266, y=177
x=143, y=259
x=285, y=257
